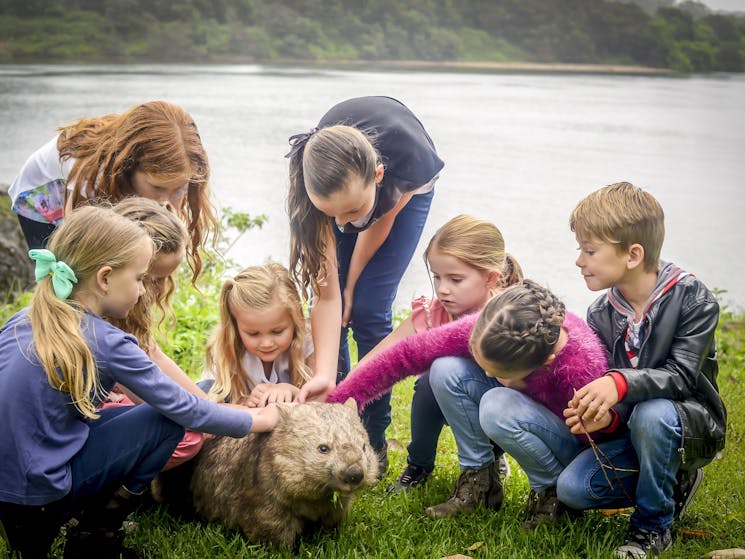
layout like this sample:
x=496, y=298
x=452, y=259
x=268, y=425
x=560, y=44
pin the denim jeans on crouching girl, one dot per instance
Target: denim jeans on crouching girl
x=645, y=457
x=126, y=446
x=537, y=439
x=458, y=384
x=373, y=298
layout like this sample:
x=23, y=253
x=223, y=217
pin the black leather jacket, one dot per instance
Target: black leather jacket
x=677, y=361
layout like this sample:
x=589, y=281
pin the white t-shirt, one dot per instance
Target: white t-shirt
x=254, y=368
x=38, y=192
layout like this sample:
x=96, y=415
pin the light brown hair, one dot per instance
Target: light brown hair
x=477, y=243
x=170, y=236
x=324, y=165
x=157, y=138
x=622, y=214
x=257, y=288
x=89, y=238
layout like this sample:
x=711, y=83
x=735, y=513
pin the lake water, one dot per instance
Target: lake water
x=519, y=149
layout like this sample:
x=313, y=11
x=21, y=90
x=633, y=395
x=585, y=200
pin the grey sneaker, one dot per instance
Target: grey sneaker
x=686, y=487
x=641, y=543
x=473, y=488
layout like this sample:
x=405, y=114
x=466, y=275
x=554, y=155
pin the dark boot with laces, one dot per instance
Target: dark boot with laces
x=472, y=489
x=641, y=543
x=382, y=454
x=30, y=530
x=544, y=508
x=98, y=533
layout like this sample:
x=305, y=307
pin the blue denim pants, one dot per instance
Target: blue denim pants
x=645, y=457
x=458, y=384
x=427, y=422
x=126, y=446
x=373, y=298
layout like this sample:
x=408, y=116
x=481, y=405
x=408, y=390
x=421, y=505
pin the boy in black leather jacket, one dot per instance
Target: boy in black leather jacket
x=657, y=323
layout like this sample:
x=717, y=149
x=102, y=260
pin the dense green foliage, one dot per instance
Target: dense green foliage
x=656, y=33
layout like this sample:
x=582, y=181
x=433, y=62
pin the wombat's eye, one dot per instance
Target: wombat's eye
x=323, y=449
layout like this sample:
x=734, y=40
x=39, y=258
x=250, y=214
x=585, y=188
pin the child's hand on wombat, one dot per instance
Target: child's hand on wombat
x=265, y=419
x=271, y=393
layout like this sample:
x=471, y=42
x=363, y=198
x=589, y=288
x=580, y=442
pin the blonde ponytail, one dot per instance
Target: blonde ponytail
x=88, y=239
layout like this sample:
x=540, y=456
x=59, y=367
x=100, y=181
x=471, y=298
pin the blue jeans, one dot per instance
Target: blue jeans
x=650, y=451
x=373, y=298
x=126, y=446
x=458, y=384
x=536, y=438
x=427, y=422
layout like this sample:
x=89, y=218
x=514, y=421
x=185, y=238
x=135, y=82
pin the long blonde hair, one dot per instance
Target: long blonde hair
x=324, y=165
x=170, y=236
x=157, y=138
x=477, y=243
x=256, y=288
x=88, y=239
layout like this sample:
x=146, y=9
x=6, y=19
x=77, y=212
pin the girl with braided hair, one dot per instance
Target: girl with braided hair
x=524, y=336
x=540, y=354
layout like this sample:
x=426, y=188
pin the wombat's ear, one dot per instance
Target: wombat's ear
x=351, y=403
x=284, y=411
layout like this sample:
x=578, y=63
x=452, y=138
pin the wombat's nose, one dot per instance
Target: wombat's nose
x=353, y=475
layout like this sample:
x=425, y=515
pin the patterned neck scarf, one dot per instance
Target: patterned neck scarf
x=667, y=277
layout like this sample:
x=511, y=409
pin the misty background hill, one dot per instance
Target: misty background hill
x=682, y=36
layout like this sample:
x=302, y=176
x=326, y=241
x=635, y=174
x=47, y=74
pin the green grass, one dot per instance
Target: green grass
x=383, y=525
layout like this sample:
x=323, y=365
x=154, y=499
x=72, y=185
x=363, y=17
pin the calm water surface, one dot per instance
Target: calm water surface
x=520, y=150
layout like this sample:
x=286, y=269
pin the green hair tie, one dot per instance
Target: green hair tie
x=47, y=265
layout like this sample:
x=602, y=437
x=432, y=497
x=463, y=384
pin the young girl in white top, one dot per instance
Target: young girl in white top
x=260, y=352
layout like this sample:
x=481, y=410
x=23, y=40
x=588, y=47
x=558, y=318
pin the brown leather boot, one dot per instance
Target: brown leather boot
x=545, y=509
x=473, y=488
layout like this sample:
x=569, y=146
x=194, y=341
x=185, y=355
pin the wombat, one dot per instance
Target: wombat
x=276, y=486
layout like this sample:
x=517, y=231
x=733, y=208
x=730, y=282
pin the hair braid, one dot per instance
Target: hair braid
x=518, y=329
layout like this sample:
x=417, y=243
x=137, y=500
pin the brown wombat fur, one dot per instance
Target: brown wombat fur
x=275, y=486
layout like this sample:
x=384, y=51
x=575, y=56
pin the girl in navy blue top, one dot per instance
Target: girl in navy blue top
x=58, y=359
x=361, y=184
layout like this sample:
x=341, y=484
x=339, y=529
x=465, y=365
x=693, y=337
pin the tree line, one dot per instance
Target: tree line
x=684, y=37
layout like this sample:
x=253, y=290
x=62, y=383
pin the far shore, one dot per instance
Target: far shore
x=497, y=67
x=394, y=65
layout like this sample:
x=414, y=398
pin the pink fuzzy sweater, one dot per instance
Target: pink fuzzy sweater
x=580, y=361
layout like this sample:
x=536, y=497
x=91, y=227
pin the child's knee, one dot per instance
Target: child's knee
x=653, y=413
x=445, y=372
x=496, y=414
x=570, y=492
